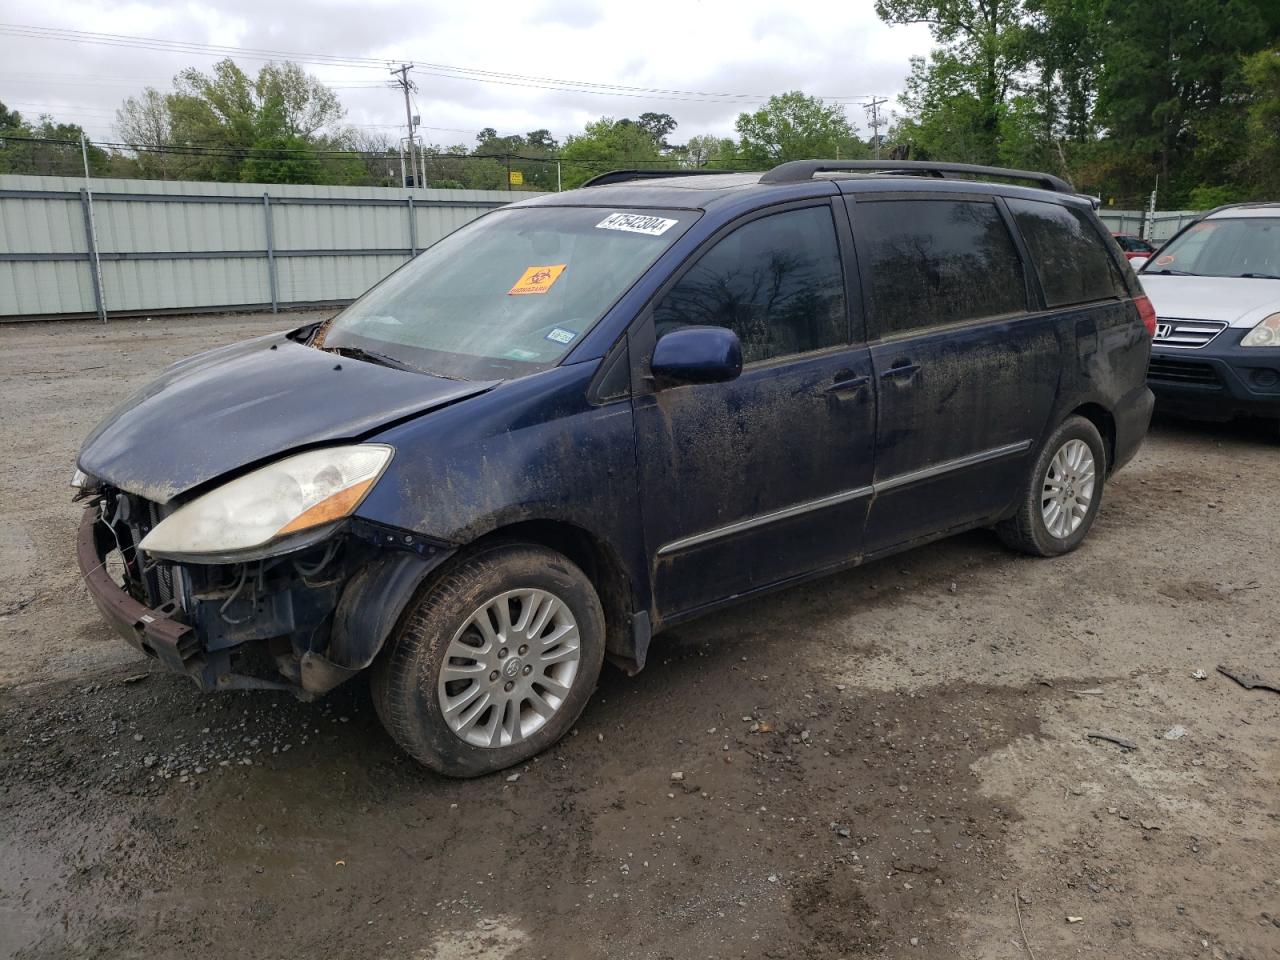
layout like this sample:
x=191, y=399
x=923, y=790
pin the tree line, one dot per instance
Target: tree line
x=1116, y=97
x=285, y=126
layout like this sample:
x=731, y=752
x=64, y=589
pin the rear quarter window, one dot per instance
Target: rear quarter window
x=1070, y=257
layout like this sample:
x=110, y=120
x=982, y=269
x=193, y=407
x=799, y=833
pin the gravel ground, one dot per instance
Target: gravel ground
x=889, y=762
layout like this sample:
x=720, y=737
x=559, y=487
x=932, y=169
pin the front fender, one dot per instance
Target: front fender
x=371, y=606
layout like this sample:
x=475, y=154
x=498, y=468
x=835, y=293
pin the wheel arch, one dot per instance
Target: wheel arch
x=627, y=633
x=1101, y=418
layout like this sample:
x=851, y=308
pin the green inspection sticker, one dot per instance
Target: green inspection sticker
x=516, y=353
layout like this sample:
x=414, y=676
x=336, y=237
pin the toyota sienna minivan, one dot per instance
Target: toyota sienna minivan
x=591, y=415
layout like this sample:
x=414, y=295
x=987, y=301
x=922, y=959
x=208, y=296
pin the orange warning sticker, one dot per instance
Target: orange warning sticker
x=537, y=280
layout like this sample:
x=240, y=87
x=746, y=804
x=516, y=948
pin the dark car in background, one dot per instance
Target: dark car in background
x=591, y=415
x=1133, y=248
x=1216, y=290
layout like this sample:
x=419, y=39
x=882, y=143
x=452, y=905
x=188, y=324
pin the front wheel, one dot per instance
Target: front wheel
x=1063, y=492
x=493, y=662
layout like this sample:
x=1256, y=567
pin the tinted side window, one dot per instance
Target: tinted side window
x=775, y=282
x=930, y=262
x=1071, y=260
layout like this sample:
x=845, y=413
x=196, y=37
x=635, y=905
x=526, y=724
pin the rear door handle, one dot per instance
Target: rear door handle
x=847, y=386
x=902, y=371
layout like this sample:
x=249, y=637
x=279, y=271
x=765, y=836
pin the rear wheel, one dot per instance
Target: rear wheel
x=494, y=661
x=1063, y=492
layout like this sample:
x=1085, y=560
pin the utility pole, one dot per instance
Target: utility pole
x=1150, y=225
x=407, y=85
x=93, y=233
x=874, y=108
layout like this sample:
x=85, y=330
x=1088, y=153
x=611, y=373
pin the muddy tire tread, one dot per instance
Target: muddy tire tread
x=1024, y=531
x=396, y=674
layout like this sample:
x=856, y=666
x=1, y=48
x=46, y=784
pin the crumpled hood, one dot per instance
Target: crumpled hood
x=1238, y=301
x=250, y=402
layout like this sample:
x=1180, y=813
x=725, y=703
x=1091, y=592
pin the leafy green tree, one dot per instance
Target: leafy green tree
x=1261, y=165
x=795, y=126
x=456, y=167
x=282, y=158
x=1063, y=44
x=223, y=116
x=659, y=126
x=944, y=117
x=21, y=153
x=607, y=144
x=143, y=122
x=9, y=119
x=983, y=52
x=708, y=150
x=531, y=155
x=1170, y=88
x=541, y=140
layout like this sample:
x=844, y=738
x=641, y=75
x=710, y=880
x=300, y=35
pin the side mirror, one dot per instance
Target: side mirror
x=1137, y=262
x=697, y=355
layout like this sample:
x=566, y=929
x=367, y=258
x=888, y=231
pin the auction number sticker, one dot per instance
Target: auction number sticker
x=537, y=280
x=636, y=223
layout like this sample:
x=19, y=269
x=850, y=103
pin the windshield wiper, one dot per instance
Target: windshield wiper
x=1260, y=276
x=360, y=353
x=1172, y=273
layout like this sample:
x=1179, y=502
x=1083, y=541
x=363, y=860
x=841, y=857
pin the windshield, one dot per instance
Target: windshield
x=509, y=294
x=1236, y=247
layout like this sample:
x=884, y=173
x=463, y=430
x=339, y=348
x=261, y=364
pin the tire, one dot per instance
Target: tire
x=1036, y=528
x=442, y=630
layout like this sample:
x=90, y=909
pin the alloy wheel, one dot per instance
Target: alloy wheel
x=1068, y=489
x=509, y=668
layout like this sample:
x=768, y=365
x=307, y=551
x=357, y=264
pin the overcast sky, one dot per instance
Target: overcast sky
x=752, y=47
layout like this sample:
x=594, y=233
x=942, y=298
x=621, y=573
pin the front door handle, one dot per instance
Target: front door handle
x=902, y=371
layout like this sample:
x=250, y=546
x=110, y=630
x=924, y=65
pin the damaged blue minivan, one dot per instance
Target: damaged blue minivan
x=591, y=415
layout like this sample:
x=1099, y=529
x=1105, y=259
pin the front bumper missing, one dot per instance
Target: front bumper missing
x=319, y=633
x=157, y=632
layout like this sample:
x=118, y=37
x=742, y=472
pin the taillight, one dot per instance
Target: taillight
x=1148, y=314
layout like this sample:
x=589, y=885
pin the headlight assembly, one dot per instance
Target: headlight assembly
x=271, y=508
x=1265, y=334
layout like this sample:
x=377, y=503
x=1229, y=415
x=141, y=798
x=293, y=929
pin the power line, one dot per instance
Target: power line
x=45, y=105
x=448, y=71
x=110, y=112
x=322, y=153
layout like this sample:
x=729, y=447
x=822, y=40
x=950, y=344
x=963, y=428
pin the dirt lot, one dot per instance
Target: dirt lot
x=890, y=762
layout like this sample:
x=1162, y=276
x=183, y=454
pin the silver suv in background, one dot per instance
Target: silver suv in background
x=1216, y=290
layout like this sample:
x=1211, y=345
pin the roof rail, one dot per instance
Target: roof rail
x=799, y=170
x=622, y=176
x=1232, y=206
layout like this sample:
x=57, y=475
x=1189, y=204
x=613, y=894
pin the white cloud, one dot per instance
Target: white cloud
x=729, y=46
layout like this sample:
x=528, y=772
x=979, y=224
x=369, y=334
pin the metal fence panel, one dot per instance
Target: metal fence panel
x=185, y=245
x=1156, y=227
x=304, y=279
